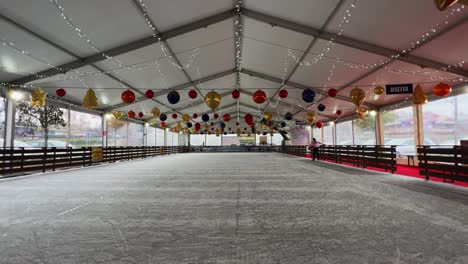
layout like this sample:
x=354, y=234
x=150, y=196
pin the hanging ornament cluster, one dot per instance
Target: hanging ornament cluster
x=90, y=100
x=362, y=111
x=128, y=96
x=149, y=94
x=308, y=95
x=38, y=97
x=442, y=89
x=173, y=97
x=213, y=100
x=192, y=94
x=60, y=92
x=283, y=93
x=419, y=97
x=357, y=96
x=259, y=97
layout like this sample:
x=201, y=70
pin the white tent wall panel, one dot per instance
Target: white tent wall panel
x=108, y=23
x=391, y=24
x=449, y=48
x=170, y=14
x=309, y=12
x=204, y=37
x=212, y=59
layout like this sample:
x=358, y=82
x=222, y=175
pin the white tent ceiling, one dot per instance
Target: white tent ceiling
x=202, y=36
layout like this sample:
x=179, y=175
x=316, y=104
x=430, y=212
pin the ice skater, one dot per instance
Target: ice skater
x=315, y=148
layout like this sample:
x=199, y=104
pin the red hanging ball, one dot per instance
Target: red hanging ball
x=192, y=94
x=216, y=116
x=248, y=119
x=149, y=94
x=195, y=115
x=141, y=115
x=339, y=112
x=212, y=129
x=237, y=123
x=441, y=89
x=131, y=114
x=259, y=97
x=226, y=117
x=283, y=93
x=211, y=124
x=174, y=116
x=197, y=126
x=209, y=133
x=229, y=129
x=270, y=124
x=60, y=92
x=163, y=124
x=319, y=124
x=252, y=125
x=128, y=97
x=332, y=92
x=235, y=94
x=222, y=129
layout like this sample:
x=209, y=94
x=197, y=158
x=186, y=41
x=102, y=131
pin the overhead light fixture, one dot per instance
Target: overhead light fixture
x=331, y=123
x=15, y=95
x=108, y=116
x=373, y=113
x=147, y=124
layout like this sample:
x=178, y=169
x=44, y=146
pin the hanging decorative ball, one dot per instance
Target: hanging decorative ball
x=264, y=126
x=211, y=124
x=226, y=117
x=205, y=117
x=288, y=116
x=267, y=115
x=174, y=116
x=245, y=128
x=357, y=96
x=192, y=94
x=441, y=89
x=248, y=119
x=237, y=124
x=283, y=93
x=185, y=118
x=419, y=97
x=310, y=117
x=141, y=115
x=212, y=129
x=321, y=107
x=194, y=116
x=189, y=125
x=163, y=124
x=229, y=129
x=149, y=94
x=264, y=133
x=308, y=95
x=213, y=100
x=222, y=125
x=252, y=125
x=270, y=124
x=238, y=131
x=173, y=97
x=202, y=133
x=379, y=90
x=206, y=127
x=155, y=112
x=60, y=92
x=216, y=116
x=90, y=100
x=128, y=96
x=263, y=121
x=117, y=115
x=332, y=92
x=259, y=97
x=131, y=114
x=163, y=117
x=38, y=98
x=197, y=126
x=319, y=124
x=253, y=130
x=283, y=124
x=235, y=94
x=339, y=112
x=209, y=133
x=362, y=111
x=178, y=127
x=225, y=133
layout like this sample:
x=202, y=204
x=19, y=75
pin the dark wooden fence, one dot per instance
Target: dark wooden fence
x=298, y=150
x=449, y=163
x=21, y=160
x=383, y=157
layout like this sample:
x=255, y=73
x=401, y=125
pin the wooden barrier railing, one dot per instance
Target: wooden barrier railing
x=21, y=160
x=383, y=157
x=297, y=150
x=448, y=163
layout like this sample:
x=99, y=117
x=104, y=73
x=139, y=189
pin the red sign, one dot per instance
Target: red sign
x=104, y=133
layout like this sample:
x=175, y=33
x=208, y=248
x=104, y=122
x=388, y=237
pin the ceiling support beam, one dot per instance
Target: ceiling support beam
x=357, y=44
x=134, y=45
x=175, y=88
x=297, y=85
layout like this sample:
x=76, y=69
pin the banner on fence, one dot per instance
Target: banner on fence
x=96, y=154
x=299, y=135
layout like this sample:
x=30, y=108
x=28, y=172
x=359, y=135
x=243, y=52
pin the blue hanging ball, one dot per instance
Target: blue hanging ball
x=222, y=125
x=264, y=133
x=308, y=95
x=225, y=133
x=189, y=125
x=163, y=117
x=321, y=107
x=205, y=117
x=283, y=124
x=288, y=116
x=173, y=97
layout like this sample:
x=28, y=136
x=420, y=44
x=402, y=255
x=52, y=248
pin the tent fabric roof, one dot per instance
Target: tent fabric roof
x=201, y=35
